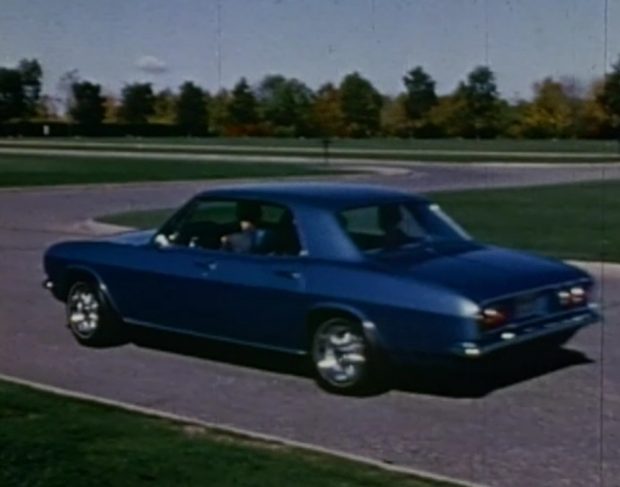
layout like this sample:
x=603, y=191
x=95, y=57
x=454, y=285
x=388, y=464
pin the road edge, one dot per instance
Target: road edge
x=232, y=430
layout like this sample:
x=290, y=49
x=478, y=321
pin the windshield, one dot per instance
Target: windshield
x=394, y=226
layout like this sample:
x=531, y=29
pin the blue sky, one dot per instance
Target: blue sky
x=168, y=41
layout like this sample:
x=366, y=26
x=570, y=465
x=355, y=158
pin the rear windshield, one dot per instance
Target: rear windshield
x=392, y=226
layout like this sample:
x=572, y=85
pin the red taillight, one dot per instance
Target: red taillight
x=490, y=318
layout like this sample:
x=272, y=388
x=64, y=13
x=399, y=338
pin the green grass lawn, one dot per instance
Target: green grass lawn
x=449, y=150
x=577, y=221
x=512, y=145
x=47, y=440
x=23, y=170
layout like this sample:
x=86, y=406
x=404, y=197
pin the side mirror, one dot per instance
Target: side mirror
x=161, y=241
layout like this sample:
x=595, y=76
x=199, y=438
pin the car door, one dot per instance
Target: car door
x=170, y=282
x=262, y=300
x=168, y=288
x=262, y=293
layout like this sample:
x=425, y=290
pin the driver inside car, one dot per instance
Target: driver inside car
x=250, y=238
x=390, y=222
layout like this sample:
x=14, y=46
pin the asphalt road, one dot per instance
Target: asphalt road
x=529, y=422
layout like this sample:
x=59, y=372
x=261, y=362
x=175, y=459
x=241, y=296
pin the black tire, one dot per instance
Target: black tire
x=90, y=318
x=343, y=370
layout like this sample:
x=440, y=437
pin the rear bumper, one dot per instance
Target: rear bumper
x=510, y=337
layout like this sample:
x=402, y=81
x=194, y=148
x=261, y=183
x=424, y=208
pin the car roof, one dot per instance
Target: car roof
x=318, y=194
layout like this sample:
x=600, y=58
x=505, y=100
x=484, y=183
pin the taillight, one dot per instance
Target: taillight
x=575, y=296
x=490, y=318
x=578, y=295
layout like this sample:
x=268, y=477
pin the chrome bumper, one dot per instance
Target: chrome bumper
x=514, y=336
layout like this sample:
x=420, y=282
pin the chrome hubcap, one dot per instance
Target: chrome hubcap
x=83, y=311
x=339, y=353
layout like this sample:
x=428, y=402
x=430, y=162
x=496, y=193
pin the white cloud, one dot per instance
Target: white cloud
x=151, y=64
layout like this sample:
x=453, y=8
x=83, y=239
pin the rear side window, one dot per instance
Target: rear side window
x=397, y=225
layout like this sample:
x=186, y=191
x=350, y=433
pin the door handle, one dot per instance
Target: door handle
x=288, y=274
x=207, y=265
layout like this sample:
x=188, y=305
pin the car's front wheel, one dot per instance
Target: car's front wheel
x=342, y=357
x=89, y=316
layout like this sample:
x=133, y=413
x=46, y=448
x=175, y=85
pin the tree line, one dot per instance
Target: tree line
x=281, y=106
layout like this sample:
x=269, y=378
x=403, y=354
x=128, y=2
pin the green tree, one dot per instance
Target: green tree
x=361, y=105
x=482, y=103
x=87, y=104
x=450, y=116
x=31, y=75
x=137, y=103
x=394, y=118
x=218, y=113
x=420, y=97
x=551, y=113
x=243, y=107
x=164, y=107
x=285, y=104
x=326, y=114
x=594, y=119
x=610, y=95
x=12, y=98
x=191, y=109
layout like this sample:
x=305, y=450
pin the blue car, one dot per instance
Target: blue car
x=352, y=277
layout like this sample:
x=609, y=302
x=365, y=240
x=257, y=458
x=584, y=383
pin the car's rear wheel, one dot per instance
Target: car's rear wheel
x=342, y=357
x=89, y=316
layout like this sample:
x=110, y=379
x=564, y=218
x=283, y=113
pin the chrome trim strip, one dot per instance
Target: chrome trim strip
x=218, y=338
x=472, y=349
x=540, y=321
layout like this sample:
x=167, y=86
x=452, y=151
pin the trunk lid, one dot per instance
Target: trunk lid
x=480, y=272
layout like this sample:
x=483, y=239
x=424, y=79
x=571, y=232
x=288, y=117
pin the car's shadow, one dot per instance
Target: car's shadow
x=220, y=351
x=479, y=378
x=473, y=379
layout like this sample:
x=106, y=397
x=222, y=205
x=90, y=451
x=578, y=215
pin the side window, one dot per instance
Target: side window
x=265, y=229
x=362, y=221
x=280, y=231
x=204, y=224
x=221, y=212
x=376, y=227
x=241, y=226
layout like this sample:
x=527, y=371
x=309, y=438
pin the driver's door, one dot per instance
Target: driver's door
x=170, y=282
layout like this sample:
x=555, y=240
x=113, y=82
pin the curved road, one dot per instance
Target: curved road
x=547, y=422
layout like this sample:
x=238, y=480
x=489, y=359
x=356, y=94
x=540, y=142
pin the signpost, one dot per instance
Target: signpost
x=326, y=143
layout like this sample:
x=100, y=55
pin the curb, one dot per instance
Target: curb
x=597, y=267
x=232, y=430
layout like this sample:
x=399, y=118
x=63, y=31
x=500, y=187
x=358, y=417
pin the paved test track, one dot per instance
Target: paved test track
x=531, y=424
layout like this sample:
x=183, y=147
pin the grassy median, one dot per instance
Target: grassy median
x=53, y=441
x=28, y=170
x=445, y=150
x=456, y=144
x=577, y=221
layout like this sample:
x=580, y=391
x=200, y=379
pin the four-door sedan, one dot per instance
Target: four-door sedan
x=351, y=276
